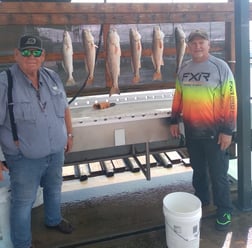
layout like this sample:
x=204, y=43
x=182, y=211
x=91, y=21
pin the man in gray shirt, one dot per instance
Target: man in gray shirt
x=34, y=155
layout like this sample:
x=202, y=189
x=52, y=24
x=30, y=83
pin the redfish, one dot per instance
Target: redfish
x=157, y=52
x=67, y=52
x=113, y=54
x=136, y=52
x=180, y=40
x=90, y=51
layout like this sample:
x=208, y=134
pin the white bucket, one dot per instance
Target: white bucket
x=5, y=241
x=182, y=213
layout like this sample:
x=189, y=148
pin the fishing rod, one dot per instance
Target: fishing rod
x=96, y=57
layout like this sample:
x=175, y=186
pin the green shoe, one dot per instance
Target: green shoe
x=223, y=222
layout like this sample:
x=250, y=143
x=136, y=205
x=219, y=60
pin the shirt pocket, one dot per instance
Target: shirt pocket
x=24, y=112
x=59, y=104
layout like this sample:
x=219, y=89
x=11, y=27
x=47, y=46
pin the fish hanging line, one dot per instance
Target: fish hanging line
x=96, y=56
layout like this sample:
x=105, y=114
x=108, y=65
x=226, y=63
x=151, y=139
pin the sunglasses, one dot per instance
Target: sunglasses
x=28, y=53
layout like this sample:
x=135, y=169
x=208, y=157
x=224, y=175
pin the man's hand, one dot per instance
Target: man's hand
x=2, y=168
x=69, y=144
x=224, y=141
x=174, y=130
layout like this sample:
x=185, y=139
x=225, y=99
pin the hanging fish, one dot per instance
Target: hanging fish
x=90, y=51
x=113, y=53
x=180, y=40
x=136, y=52
x=157, y=52
x=67, y=51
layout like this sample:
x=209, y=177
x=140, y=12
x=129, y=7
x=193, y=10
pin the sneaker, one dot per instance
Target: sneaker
x=64, y=227
x=223, y=222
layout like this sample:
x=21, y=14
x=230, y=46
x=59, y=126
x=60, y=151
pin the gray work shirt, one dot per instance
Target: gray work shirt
x=39, y=115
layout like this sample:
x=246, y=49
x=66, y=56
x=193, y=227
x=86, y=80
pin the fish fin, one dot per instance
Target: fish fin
x=114, y=90
x=136, y=79
x=157, y=76
x=93, y=45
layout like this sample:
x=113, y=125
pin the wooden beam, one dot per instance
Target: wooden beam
x=30, y=13
x=80, y=55
x=109, y=8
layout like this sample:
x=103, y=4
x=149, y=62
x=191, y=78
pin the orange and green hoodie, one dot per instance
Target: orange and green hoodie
x=205, y=97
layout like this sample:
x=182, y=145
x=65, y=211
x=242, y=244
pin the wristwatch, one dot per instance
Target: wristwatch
x=70, y=135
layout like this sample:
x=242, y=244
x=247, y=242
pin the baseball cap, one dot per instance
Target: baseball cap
x=197, y=33
x=30, y=41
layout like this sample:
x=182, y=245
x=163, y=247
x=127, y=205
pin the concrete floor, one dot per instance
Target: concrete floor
x=129, y=214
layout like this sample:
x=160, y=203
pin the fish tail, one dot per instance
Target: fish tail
x=157, y=76
x=90, y=80
x=114, y=90
x=70, y=81
x=136, y=79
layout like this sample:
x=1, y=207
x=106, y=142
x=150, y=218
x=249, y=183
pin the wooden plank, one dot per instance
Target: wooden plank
x=116, y=18
x=19, y=13
x=110, y=8
x=170, y=51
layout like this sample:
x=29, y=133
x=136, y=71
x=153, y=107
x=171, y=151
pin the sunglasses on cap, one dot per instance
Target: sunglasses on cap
x=27, y=53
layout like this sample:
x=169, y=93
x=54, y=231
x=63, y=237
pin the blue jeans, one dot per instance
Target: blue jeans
x=25, y=177
x=210, y=167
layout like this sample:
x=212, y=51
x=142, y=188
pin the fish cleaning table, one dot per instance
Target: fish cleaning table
x=137, y=123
